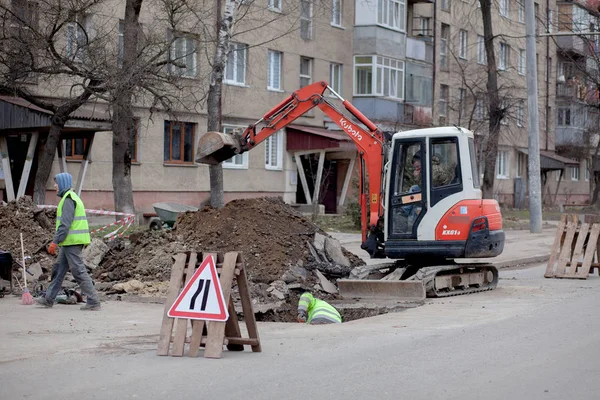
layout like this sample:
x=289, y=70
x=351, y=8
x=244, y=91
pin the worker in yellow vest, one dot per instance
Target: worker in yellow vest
x=72, y=234
x=314, y=311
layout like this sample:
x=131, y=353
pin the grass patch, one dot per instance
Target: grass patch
x=337, y=223
x=100, y=234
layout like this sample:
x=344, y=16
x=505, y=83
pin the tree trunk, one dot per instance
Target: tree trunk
x=123, y=125
x=45, y=161
x=217, y=198
x=496, y=112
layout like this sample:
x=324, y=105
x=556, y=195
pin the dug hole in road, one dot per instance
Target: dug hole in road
x=531, y=338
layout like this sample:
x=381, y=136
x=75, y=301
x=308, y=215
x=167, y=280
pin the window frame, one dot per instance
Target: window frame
x=377, y=68
x=481, y=54
x=78, y=24
x=183, y=71
x=463, y=44
x=522, y=63
x=575, y=173
x=182, y=144
x=398, y=22
x=502, y=164
x=503, y=60
x=444, y=97
x=268, y=149
x=230, y=163
x=306, y=32
x=504, y=8
x=336, y=86
x=270, y=71
x=72, y=155
x=521, y=11
x=337, y=8
x=308, y=76
x=235, y=53
x=444, y=37
x=521, y=113
x=561, y=114
x=274, y=7
x=134, y=141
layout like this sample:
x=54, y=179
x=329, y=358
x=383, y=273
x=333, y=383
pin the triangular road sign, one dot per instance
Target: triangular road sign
x=202, y=297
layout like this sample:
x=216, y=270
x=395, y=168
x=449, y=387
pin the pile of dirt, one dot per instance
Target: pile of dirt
x=36, y=224
x=282, y=249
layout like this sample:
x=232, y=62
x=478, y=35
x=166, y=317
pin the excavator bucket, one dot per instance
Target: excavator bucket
x=409, y=291
x=216, y=147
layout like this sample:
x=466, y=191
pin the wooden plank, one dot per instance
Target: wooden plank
x=581, y=239
x=8, y=182
x=164, y=340
x=198, y=325
x=589, y=252
x=61, y=150
x=216, y=330
x=307, y=195
x=555, y=248
x=84, y=164
x=565, y=253
x=232, y=328
x=27, y=167
x=347, y=179
x=249, y=317
x=182, y=323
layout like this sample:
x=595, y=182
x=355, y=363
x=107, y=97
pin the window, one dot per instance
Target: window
x=306, y=19
x=275, y=5
x=336, y=13
x=504, y=107
x=481, y=55
x=502, y=165
x=235, y=69
x=587, y=170
x=392, y=13
x=564, y=116
x=462, y=103
x=521, y=13
x=580, y=19
x=480, y=109
x=522, y=62
x=521, y=113
x=474, y=169
x=239, y=161
x=521, y=164
x=335, y=77
x=443, y=100
x=121, y=41
x=575, y=173
x=445, y=5
x=549, y=20
x=183, y=56
x=179, y=142
x=274, y=70
x=504, y=9
x=75, y=148
x=78, y=30
x=444, y=163
x=503, y=57
x=133, y=141
x=444, y=46
x=305, y=71
x=379, y=76
x=274, y=151
x=463, y=42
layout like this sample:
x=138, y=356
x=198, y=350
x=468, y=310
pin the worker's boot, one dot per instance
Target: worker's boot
x=91, y=307
x=41, y=301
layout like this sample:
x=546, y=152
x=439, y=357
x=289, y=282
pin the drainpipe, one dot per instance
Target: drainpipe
x=548, y=22
x=433, y=74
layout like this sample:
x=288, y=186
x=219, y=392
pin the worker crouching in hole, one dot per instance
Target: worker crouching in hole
x=316, y=312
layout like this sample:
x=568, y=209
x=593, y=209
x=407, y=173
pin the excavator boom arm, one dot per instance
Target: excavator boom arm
x=214, y=147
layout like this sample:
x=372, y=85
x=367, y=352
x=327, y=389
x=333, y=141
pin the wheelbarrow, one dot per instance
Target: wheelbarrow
x=168, y=213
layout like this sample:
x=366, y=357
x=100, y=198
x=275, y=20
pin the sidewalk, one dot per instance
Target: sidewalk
x=520, y=247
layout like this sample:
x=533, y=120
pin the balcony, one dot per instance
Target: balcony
x=419, y=49
x=577, y=91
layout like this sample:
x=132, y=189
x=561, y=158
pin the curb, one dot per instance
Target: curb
x=522, y=261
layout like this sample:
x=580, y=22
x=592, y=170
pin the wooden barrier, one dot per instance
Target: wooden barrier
x=211, y=335
x=575, y=249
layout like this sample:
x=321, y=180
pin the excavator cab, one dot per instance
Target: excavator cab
x=434, y=203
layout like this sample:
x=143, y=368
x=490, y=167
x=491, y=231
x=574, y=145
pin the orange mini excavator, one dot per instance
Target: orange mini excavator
x=419, y=194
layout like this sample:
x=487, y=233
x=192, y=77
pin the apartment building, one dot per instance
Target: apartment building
x=577, y=116
x=298, y=42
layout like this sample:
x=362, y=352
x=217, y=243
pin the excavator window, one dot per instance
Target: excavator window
x=446, y=178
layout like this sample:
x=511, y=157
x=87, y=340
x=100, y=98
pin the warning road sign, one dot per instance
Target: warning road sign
x=202, y=297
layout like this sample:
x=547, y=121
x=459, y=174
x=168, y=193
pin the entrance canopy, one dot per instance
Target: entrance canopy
x=550, y=161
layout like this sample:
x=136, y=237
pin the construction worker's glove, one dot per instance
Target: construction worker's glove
x=52, y=248
x=302, y=316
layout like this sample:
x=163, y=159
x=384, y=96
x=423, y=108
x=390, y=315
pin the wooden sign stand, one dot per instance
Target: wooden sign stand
x=209, y=334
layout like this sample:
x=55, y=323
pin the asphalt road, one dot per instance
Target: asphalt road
x=532, y=338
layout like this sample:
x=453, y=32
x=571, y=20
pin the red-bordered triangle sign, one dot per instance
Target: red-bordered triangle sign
x=202, y=297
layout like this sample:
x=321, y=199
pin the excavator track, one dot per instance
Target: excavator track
x=456, y=280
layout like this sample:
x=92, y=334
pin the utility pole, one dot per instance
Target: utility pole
x=533, y=125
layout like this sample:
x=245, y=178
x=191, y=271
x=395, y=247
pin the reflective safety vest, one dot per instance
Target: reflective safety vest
x=318, y=311
x=79, y=231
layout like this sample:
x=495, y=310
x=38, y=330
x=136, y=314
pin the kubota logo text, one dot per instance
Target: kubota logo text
x=350, y=129
x=450, y=232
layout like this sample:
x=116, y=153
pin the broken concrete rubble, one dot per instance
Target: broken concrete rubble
x=94, y=253
x=333, y=249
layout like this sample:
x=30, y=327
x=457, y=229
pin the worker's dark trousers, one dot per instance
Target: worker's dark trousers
x=69, y=257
